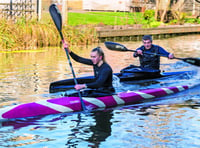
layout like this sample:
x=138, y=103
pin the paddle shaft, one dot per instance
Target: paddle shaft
x=120, y=47
x=192, y=61
x=156, y=54
x=56, y=16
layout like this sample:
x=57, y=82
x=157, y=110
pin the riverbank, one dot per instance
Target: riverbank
x=32, y=35
x=85, y=29
x=135, y=32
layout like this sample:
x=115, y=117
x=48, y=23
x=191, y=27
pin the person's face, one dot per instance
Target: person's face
x=95, y=57
x=147, y=44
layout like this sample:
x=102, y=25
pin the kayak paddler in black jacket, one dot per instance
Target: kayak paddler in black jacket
x=147, y=60
x=102, y=85
x=150, y=62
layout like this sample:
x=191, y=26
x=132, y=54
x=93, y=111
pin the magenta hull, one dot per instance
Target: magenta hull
x=72, y=104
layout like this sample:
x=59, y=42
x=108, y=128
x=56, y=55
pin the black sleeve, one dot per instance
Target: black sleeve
x=80, y=59
x=135, y=53
x=101, y=80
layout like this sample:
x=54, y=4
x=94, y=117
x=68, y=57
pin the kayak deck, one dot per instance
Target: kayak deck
x=64, y=85
x=73, y=104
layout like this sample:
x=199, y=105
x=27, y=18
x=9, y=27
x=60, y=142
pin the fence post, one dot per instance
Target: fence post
x=39, y=9
x=64, y=11
x=11, y=8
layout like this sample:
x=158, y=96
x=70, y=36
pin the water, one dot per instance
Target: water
x=172, y=121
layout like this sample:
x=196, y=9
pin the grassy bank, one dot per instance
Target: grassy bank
x=30, y=35
x=78, y=29
x=105, y=18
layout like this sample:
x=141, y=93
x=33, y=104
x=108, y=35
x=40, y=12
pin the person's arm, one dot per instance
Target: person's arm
x=80, y=59
x=163, y=52
x=138, y=52
x=76, y=57
x=103, y=75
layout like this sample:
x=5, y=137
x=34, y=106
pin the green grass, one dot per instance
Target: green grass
x=79, y=30
x=106, y=18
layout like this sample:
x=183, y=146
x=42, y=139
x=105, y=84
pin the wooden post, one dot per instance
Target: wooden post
x=193, y=8
x=11, y=8
x=39, y=9
x=64, y=12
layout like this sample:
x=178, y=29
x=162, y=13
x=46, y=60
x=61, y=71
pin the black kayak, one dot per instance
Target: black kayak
x=127, y=74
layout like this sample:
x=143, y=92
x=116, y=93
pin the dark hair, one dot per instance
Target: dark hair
x=147, y=37
x=100, y=52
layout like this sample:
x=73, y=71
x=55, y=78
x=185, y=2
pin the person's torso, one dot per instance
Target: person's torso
x=150, y=61
x=98, y=74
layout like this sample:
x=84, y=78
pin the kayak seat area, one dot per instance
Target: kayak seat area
x=138, y=69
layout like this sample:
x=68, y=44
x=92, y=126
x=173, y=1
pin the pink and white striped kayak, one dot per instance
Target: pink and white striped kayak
x=72, y=104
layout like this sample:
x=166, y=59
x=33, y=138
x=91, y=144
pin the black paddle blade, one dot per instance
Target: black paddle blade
x=193, y=61
x=56, y=16
x=115, y=46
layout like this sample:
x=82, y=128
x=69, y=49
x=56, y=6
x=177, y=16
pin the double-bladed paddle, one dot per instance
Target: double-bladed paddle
x=56, y=16
x=120, y=47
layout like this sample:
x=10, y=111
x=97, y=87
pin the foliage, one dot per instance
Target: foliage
x=149, y=19
x=79, y=29
x=106, y=18
x=151, y=23
x=148, y=14
x=192, y=20
x=180, y=16
x=28, y=35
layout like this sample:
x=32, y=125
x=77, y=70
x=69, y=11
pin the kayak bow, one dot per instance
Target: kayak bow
x=73, y=104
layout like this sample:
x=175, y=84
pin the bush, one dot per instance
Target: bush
x=173, y=22
x=198, y=21
x=148, y=14
x=190, y=20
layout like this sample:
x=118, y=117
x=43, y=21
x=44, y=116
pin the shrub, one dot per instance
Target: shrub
x=148, y=14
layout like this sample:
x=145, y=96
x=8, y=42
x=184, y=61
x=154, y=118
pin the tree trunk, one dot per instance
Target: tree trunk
x=177, y=11
x=161, y=8
x=165, y=10
x=157, y=9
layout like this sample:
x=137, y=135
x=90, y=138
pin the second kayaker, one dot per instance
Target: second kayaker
x=149, y=62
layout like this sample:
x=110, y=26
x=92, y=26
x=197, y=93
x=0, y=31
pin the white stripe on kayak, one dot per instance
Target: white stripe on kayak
x=118, y=99
x=144, y=95
x=53, y=106
x=94, y=101
x=167, y=90
x=6, y=109
x=180, y=88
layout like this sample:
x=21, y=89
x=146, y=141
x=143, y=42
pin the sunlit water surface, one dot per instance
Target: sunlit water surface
x=172, y=121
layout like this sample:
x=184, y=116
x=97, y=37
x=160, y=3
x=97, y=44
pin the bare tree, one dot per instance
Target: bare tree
x=177, y=10
x=161, y=8
x=169, y=9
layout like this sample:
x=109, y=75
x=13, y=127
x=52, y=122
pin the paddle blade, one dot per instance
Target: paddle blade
x=193, y=61
x=115, y=46
x=56, y=16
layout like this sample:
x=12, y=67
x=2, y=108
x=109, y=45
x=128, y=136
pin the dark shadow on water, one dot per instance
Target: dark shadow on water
x=98, y=131
x=102, y=129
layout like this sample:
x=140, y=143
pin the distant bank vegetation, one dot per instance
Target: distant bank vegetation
x=29, y=35
x=80, y=29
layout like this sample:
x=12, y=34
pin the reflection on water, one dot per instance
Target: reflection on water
x=94, y=133
x=171, y=122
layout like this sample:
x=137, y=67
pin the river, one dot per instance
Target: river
x=172, y=121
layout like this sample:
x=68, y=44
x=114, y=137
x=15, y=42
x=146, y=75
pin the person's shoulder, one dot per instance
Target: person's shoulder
x=154, y=45
x=157, y=46
x=107, y=66
x=140, y=48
